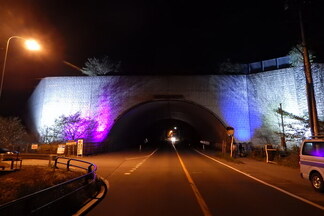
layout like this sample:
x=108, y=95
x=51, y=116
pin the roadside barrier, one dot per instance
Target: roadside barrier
x=62, y=199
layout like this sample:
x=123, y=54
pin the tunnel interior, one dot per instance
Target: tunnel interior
x=161, y=122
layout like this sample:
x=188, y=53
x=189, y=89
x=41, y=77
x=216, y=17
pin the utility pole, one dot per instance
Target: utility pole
x=312, y=110
x=283, y=136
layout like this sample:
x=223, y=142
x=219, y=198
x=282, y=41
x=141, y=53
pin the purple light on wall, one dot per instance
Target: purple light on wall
x=104, y=125
x=103, y=116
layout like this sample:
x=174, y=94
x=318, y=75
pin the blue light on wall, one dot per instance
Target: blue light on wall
x=238, y=115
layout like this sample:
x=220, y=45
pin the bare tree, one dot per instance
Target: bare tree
x=100, y=67
x=229, y=67
x=70, y=128
x=296, y=56
x=11, y=131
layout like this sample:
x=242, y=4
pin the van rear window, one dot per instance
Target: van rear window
x=313, y=149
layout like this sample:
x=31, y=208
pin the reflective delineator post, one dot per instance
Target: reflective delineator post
x=230, y=132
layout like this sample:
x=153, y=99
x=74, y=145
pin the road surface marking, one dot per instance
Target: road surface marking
x=199, y=197
x=140, y=163
x=265, y=183
x=145, y=156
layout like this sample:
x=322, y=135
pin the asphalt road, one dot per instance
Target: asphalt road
x=173, y=181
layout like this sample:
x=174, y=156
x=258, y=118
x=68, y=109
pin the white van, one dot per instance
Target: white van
x=312, y=162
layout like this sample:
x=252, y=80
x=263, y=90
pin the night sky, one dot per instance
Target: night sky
x=147, y=36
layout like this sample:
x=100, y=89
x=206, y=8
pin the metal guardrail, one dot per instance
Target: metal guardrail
x=62, y=199
x=265, y=65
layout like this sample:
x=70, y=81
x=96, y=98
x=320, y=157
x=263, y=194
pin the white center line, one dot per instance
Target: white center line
x=199, y=197
x=140, y=163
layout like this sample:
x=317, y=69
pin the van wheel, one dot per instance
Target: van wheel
x=317, y=182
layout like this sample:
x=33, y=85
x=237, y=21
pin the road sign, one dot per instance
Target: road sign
x=80, y=147
x=60, y=149
x=34, y=146
x=71, y=143
x=205, y=142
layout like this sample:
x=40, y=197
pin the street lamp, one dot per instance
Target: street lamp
x=30, y=44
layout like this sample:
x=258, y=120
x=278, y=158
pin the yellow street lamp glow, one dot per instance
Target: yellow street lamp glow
x=32, y=45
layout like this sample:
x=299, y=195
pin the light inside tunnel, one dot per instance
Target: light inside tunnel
x=173, y=135
x=173, y=139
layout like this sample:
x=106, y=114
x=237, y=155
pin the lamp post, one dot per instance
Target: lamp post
x=72, y=65
x=30, y=44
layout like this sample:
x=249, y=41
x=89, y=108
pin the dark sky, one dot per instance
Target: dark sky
x=149, y=37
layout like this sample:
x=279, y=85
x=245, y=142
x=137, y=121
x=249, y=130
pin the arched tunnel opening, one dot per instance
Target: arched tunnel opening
x=160, y=122
x=167, y=131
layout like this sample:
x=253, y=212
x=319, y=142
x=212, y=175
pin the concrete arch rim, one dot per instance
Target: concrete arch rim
x=166, y=100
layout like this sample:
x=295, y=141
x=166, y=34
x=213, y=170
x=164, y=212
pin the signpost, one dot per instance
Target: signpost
x=204, y=142
x=71, y=144
x=80, y=147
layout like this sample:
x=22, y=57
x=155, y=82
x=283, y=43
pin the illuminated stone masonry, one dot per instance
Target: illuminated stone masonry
x=245, y=102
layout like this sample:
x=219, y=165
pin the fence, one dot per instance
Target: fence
x=266, y=65
x=62, y=199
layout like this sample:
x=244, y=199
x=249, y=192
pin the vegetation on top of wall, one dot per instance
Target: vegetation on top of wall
x=101, y=67
x=229, y=67
x=297, y=58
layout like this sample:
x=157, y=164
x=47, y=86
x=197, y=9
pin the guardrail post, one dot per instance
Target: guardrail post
x=55, y=163
x=68, y=165
x=89, y=168
x=51, y=158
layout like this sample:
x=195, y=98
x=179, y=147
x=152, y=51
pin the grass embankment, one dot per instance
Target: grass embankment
x=290, y=159
x=227, y=157
x=31, y=179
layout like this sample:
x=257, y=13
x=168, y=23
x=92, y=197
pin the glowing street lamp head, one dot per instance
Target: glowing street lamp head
x=32, y=45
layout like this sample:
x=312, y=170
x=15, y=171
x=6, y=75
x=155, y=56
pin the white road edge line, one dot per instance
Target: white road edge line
x=265, y=183
x=199, y=197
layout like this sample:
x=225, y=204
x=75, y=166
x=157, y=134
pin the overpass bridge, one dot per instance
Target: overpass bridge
x=129, y=109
